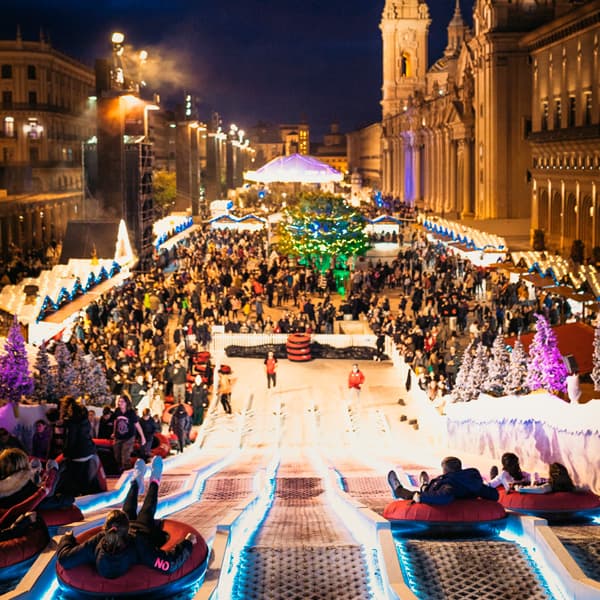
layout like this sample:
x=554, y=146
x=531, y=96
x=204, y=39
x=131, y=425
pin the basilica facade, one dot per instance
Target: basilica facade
x=475, y=135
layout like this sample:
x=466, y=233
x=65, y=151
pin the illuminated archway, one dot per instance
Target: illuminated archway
x=570, y=218
x=585, y=223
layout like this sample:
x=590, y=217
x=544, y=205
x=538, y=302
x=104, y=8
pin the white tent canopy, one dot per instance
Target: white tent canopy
x=295, y=168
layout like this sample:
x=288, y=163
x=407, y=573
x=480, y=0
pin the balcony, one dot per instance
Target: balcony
x=16, y=106
x=565, y=134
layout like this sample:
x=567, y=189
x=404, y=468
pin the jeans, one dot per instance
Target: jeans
x=122, y=450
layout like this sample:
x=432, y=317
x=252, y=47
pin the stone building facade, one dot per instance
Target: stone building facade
x=565, y=128
x=455, y=136
x=45, y=115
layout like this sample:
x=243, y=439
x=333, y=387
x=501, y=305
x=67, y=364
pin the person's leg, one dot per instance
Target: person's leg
x=117, y=452
x=146, y=514
x=131, y=501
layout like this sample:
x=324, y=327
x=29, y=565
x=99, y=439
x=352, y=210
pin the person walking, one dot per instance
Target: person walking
x=199, y=400
x=271, y=369
x=179, y=378
x=125, y=427
x=355, y=381
x=225, y=390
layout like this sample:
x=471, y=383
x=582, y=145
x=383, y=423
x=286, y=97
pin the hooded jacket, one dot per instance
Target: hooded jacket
x=463, y=484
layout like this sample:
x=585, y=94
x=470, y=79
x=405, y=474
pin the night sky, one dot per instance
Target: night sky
x=251, y=60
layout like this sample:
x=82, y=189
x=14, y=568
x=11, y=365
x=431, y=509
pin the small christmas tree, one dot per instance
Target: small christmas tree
x=596, y=358
x=546, y=367
x=65, y=373
x=81, y=366
x=15, y=378
x=45, y=383
x=516, y=379
x=97, y=386
x=459, y=392
x=477, y=375
x=498, y=366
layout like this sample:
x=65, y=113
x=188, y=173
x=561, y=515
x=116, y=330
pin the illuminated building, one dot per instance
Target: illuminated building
x=364, y=154
x=333, y=149
x=45, y=110
x=565, y=132
x=295, y=138
x=457, y=137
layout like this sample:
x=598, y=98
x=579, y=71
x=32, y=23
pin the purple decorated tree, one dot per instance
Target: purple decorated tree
x=516, y=380
x=596, y=358
x=65, y=373
x=45, y=383
x=15, y=378
x=498, y=366
x=547, y=369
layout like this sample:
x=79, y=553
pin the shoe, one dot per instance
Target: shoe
x=51, y=464
x=139, y=471
x=417, y=497
x=156, y=469
x=394, y=483
x=493, y=472
x=423, y=478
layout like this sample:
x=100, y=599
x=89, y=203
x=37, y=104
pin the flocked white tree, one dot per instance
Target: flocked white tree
x=477, y=378
x=596, y=358
x=459, y=392
x=517, y=372
x=498, y=366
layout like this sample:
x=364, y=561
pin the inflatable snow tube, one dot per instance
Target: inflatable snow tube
x=225, y=369
x=139, y=581
x=55, y=517
x=169, y=408
x=298, y=347
x=471, y=516
x=18, y=554
x=556, y=506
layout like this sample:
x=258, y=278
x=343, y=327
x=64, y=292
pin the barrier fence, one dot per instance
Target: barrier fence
x=220, y=341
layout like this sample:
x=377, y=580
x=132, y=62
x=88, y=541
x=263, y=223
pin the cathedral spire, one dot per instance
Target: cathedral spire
x=456, y=31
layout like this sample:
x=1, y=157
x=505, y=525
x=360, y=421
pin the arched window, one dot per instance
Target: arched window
x=9, y=127
x=405, y=65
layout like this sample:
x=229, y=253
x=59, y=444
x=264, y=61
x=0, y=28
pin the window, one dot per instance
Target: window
x=32, y=97
x=572, y=111
x=6, y=99
x=6, y=71
x=544, y=116
x=587, y=113
x=9, y=127
x=31, y=72
x=557, y=114
x=33, y=129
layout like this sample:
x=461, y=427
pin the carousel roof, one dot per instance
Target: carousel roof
x=296, y=168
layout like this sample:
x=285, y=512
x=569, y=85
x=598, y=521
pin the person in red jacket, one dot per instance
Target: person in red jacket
x=355, y=380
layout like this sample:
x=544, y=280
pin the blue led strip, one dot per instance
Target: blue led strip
x=243, y=529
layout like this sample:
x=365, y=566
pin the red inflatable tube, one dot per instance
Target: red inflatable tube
x=475, y=514
x=139, y=580
x=556, y=505
x=17, y=554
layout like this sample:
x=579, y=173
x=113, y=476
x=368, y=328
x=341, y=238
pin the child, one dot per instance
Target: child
x=149, y=427
x=129, y=538
x=511, y=474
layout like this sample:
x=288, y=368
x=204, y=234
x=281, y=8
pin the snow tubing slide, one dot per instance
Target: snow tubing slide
x=555, y=506
x=140, y=581
x=298, y=347
x=18, y=554
x=470, y=516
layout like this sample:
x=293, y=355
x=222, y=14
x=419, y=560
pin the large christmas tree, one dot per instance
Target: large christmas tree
x=516, y=380
x=498, y=366
x=45, y=383
x=547, y=369
x=15, y=378
x=320, y=229
x=596, y=358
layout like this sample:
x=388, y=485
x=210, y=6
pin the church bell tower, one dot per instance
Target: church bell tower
x=404, y=29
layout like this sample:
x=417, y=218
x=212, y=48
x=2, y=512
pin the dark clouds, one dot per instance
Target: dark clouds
x=248, y=59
